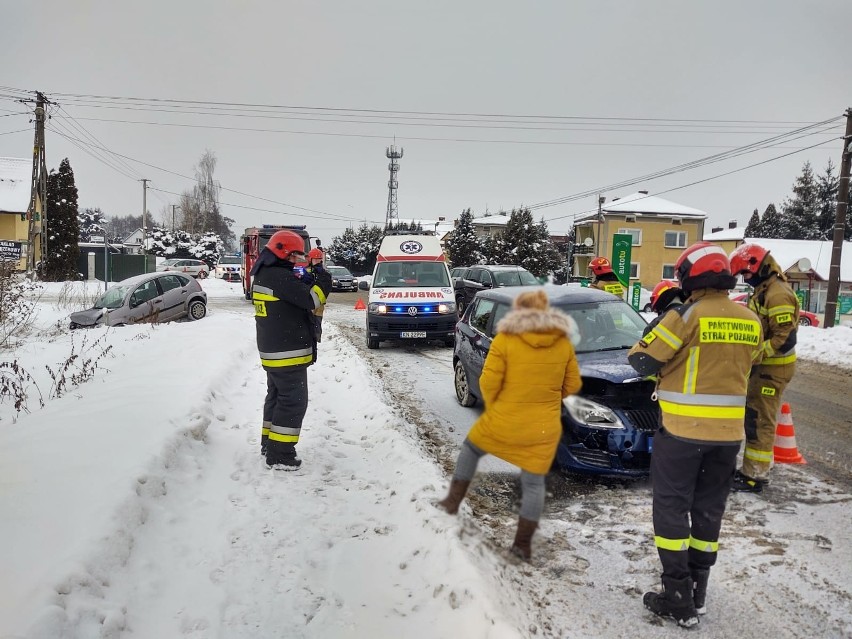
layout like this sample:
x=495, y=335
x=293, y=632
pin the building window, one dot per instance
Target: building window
x=634, y=271
x=635, y=233
x=668, y=272
x=675, y=239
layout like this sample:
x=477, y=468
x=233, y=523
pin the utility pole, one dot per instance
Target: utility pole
x=174, y=206
x=601, y=200
x=38, y=189
x=839, y=224
x=144, y=223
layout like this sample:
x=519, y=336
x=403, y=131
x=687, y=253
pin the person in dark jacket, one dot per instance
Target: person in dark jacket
x=284, y=308
x=315, y=258
x=666, y=296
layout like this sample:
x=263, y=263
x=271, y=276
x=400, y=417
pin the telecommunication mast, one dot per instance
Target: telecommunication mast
x=394, y=154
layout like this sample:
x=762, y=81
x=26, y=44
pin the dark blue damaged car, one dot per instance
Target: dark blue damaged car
x=608, y=428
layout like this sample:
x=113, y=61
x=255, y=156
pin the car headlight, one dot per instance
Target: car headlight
x=447, y=307
x=334, y=281
x=590, y=413
x=378, y=309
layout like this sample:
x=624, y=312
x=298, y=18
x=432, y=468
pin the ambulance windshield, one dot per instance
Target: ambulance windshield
x=405, y=274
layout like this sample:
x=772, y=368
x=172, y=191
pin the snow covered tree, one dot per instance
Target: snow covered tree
x=800, y=213
x=519, y=237
x=357, y=249
x=59, y=263
x=828, y=187
x=494, y=249
x=753, y=227
x=343, y=248
x=91, y=222
x=463, y=246
x=544, y=259
x=770, y=224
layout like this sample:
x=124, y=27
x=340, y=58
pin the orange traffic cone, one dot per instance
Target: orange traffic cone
x=786, y=451
x=359, y=305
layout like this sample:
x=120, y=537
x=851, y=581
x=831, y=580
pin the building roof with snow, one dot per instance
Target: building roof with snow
x=15, y=184
x=788, y=253
x=641, y=203
x=726, y=235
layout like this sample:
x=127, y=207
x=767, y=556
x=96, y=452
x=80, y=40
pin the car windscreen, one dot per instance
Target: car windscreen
x=339, y=271
x=402, y=274
x=605, y=326
x=112, y=298
x=230, y=260
x=169, y=262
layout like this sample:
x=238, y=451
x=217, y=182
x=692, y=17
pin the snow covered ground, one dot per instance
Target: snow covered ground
x=137, y=505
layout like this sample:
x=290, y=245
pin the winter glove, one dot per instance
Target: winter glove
x=308, y=278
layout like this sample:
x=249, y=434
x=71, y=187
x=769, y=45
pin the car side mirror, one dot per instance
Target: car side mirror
x=363, y=286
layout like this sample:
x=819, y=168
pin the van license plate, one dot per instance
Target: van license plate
x=414, y=334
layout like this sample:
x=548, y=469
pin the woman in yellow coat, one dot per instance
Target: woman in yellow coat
x=530, y=368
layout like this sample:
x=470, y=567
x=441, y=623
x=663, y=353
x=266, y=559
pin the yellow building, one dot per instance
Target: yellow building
x=661, y=230
x=15, y=193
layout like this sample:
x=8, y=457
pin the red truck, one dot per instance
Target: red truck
x=252, y=242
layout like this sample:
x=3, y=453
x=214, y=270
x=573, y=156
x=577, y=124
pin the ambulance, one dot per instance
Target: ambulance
x=411, y=297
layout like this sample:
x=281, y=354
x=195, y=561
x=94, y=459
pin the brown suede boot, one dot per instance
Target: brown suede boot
x=522, y=547
x=458, y=489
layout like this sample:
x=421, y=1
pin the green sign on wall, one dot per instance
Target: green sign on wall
x=621, y=247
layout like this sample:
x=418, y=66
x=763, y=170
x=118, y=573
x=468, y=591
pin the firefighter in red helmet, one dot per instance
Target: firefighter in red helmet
x=315, y=265
x=777, y=306
x=702, y=353
x=604, y=278
x=286, y=340
x=666, y=296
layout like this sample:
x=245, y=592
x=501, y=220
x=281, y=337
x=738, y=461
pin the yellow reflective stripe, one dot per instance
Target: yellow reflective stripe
x=288, y=439
x=671, y=544
x=764, y=456
x=703, y=546
x=712, y=412
x=777, y=310
x=668, y=337
x=289, y=361
x=259, y=309
x=691, y=376
x=776, y=361
x=264, y=430
x=316, y=289
x=263, y=297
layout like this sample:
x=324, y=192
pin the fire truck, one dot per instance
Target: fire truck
x=254, y=239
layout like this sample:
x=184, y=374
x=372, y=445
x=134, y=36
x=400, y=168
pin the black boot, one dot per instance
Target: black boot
x=675, y=602
x=745, y=484
x=700, y=577
x=522, y=546
x=458, y=489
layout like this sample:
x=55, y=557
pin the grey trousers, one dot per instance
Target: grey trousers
x=532, y=485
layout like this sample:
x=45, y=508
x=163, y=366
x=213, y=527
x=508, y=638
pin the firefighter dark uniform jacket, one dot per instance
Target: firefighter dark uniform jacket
x=777, y=307
x=283, y=312
x=702, y=353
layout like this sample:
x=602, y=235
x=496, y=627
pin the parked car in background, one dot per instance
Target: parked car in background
x=806, y=318
x=151, y=298
x=459, y=272
x=608, y=428
x=342, y=279
x=196, y=268
x=228, y=268
x=486, y=276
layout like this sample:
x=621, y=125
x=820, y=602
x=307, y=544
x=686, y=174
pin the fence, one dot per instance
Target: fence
x=119, y=266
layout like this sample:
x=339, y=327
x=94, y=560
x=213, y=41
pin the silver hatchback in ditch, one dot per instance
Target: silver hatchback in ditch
x=149, y=298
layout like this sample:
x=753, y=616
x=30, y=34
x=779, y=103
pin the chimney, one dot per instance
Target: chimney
x=644, y=192
x=716, y=229
x=442, y=219
x=732, y=224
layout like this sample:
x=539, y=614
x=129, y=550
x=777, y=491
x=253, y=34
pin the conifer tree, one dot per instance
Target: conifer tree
x=544, y=259
x=827, y=190
x=521, y=238
x=463, y=246
x=343, y=249
x=59, y=263
x=753, y=227
x=800, y=213
x=494, y=249
x=770, y=224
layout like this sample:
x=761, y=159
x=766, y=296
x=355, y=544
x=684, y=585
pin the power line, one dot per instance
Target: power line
x=329, y=216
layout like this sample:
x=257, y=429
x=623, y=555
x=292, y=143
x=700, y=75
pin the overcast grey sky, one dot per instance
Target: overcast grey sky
x=772, y=66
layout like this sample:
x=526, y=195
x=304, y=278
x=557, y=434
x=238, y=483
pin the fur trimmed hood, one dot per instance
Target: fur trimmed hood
x=541, y=324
